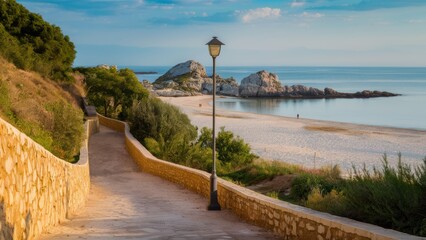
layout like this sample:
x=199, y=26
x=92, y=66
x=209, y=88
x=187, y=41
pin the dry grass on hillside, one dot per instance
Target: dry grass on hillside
x=37, y=106
x=28, y=94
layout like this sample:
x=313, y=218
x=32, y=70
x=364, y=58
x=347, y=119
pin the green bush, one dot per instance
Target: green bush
x=325, y=180
x=36, y=132
x=153, y=118
x=303, y=185
x=273, y=194
x=332, y=202
x=233, y=153
x=67, y=132
x=391, y=197
x=168, y=134
x=261, y=170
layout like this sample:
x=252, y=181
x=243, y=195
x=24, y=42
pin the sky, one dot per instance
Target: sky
x=255, y=32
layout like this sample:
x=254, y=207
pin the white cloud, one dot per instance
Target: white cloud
x=261, y=13
x=297, y=4
x=416, y=21
x=311, y=15
x=130, y=5
x=190, y=13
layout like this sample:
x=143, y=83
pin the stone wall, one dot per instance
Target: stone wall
x=116, y=125
x=287, y=220
x=37, y=189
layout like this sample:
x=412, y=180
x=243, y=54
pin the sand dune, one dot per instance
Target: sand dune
x=311, y=143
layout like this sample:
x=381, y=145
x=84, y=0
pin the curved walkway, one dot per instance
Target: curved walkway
x=125, y=203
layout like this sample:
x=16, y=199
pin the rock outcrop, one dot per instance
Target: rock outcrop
x=265, y=84
x=190, y=79
x=185, y=78
x=224, y=86
x=189, y=68
x=261, y=84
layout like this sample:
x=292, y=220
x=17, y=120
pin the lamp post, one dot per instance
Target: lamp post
x=214, y=50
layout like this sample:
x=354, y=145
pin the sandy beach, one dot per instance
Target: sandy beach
x=310, y=143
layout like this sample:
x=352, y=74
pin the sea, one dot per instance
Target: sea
x=405, y=111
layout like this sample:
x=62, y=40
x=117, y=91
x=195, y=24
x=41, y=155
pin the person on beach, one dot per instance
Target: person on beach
x=297, y=116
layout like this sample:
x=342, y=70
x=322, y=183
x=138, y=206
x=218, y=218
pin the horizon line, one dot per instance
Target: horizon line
x=335, y=66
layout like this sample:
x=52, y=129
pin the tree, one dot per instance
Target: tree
x=34, y=44
x=112, y=91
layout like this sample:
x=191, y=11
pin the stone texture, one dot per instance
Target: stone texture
x=33, y=193
x=260, y=84
x=184, y=79
x=194, y=68
x=190, y=79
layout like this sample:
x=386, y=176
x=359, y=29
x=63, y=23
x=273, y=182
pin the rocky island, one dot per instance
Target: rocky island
x=190, y=79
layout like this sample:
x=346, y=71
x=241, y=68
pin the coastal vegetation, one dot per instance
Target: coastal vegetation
x=112, y=91
x=42, y=109
x=31, y=43
x=392, y=197
x=43, y=100
x=168, y=134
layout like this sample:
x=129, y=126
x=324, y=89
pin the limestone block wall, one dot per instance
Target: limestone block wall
x=37, y=189
x=114, y=124
x=287, y=220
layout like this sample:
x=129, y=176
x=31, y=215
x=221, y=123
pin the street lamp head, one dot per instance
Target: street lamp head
x=214, y=47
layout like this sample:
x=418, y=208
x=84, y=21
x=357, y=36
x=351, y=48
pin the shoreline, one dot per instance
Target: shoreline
x=308, y=142
x=421, y=131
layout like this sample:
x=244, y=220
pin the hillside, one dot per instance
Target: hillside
x=31, y=43
x=45, y=110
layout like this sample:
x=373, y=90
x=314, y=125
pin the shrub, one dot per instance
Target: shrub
x=303, y=185
x=152, y=118
x=390, y=197
x=153, y=146
x=262, y=169
x=326, y=180
x=67, y=132
x=273, y=194
x=35, y=131
x=168, y=134
x=232, y=152
x=179, y=151
x=332, y=202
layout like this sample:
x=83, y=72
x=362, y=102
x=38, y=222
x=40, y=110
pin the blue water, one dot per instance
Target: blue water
x=406, y=111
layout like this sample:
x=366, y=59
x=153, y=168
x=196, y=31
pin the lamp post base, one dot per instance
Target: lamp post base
x=214, y=203
x=214, y=207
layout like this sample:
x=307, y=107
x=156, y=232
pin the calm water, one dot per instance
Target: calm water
x=406, y=111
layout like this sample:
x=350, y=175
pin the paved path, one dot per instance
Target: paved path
x=125, y=203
